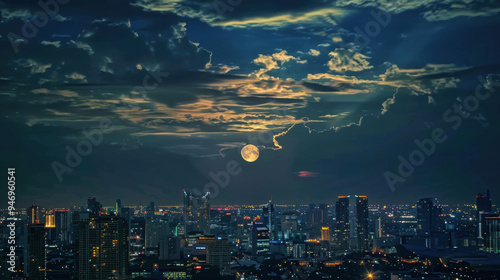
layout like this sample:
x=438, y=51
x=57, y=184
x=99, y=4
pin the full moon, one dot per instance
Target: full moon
x=250, y=153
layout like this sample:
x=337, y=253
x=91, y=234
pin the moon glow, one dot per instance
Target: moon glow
x=250, y=153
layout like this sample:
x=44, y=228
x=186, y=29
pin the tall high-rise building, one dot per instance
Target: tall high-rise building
x=93, y=206
x=151, y=208
x=428, y=216
x=156, y=230
x=34, y=252
x=317, y=214
x=362, y=222
x=484, y=209
x=196, y=212
x=424, y=214
x=219, y=254
x=352, y=222
x=118, y=206
x=33, y=213
x=260, y=238
x=269, y=218
x=483, y=202
x=169, y=249
x=103, y=248
x=378, y=227
x=50, y=219
x=325, y=233
x=343, y=226
x=62, y=221
x=492, y=235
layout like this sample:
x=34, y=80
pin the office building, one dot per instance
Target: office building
x=103, y=248
x=260, y=238
x=484, y=209
x=62, y=222
x=492, y=236
x=343, y=227
x=196, y=212
x=429, y=217
x=269, y=218
x=352, y=223
x=93, y=206
x=33, y=213
x=169, y=248
x=118, y=207
x=325, y=233
x=362, y=223
x=219, y=254
x=156, y=230
x=317, y=214
x=34, y=252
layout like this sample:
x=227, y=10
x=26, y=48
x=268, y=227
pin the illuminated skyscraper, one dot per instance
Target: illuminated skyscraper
x=33, y=213
x=260, y=238
x=118, y=206
x=325, y=233
x=156, y=230
x=196, y=212
x=103, y=248
x=428, y=216
x=492, y=235
x=269, y=218
x=219, y=254
x=484, y=209
x=343, y=227
x=362, y=222
x=93, y=206
x=34, y=252
x=62, y=224
x=317, y=214
x=50, y=219
x=352, y=223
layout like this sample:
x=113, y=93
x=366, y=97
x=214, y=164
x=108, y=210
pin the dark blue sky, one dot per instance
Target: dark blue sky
x=176, y=88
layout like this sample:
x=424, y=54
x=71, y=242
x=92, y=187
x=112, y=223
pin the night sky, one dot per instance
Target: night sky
x=333, y=93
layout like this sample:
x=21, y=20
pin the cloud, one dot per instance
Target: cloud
x=76, y=76
x=271, y=62
x=314, y=52
x=33, y=66
x=446, y=14
x=56, y=44
x=107, y=51
x=64, y=93
x=307, y=174
x=348, y=60
x=337, y=39
x=10, y=14
x=316, y=17
x=222, y=68
x=427, y=80
x=434, y=10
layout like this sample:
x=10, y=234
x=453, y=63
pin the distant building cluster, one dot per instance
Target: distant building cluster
x=348, y=239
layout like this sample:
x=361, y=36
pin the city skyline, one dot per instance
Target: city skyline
x=198, y=241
